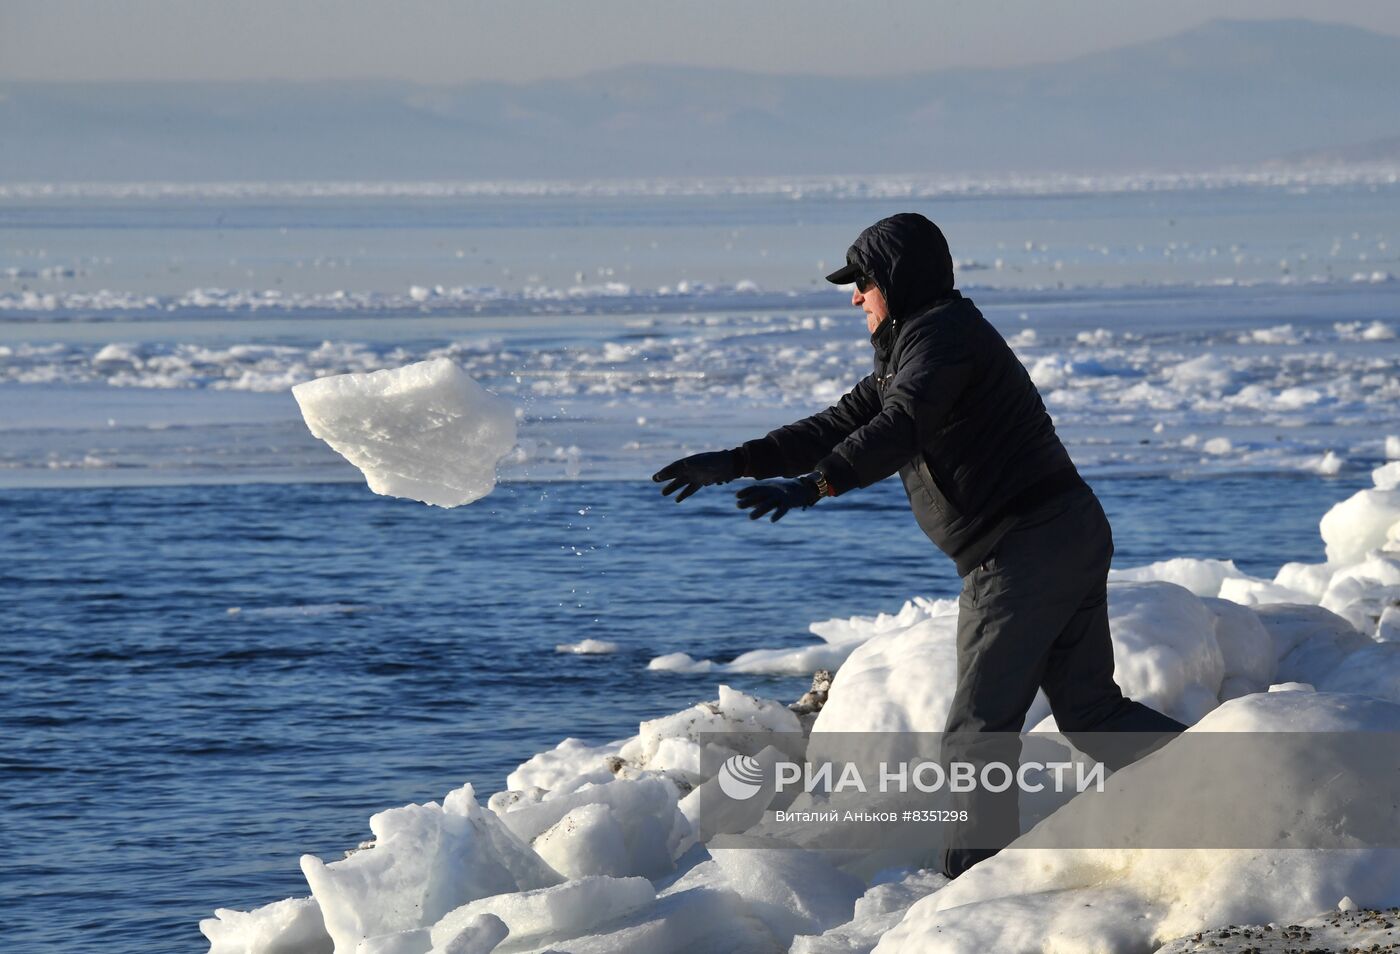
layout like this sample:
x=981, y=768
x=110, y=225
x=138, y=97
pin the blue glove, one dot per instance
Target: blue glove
x=778, y=496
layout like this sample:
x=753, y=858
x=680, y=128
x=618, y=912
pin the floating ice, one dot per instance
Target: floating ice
x=427, y=431
x=588, y=647
x=679, y=662
x=1330, y=464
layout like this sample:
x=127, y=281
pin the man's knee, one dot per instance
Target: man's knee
x=991, y=711
x=1089, y=713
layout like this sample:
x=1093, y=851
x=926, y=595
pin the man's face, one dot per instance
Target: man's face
x=872, y=302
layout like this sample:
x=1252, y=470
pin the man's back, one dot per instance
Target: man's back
x=995, y=441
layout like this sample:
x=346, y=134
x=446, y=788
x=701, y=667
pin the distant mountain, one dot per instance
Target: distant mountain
x=1227, y=92
x=1377, y=150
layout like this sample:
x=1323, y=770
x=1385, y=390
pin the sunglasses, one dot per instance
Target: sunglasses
x=863, y=283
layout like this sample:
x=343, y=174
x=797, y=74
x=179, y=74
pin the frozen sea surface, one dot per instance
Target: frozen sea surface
x=1148, y=380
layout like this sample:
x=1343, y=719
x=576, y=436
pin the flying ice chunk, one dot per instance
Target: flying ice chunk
x=426, y=431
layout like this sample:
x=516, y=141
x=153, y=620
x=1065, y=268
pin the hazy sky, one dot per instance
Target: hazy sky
x=436, y=41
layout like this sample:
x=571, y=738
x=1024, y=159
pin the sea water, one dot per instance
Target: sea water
x=225, y=651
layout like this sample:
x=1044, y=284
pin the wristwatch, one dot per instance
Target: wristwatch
x=823, y=488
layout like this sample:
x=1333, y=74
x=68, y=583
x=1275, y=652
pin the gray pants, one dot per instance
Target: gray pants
x=1034, y=615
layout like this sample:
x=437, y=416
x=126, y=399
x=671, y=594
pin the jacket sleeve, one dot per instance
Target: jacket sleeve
x=935, y=369
x=795, y=449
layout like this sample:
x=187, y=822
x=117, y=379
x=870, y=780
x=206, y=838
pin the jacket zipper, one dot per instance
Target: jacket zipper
x=882, y=380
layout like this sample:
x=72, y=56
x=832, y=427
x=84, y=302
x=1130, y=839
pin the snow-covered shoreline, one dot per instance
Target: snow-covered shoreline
x=604, y=848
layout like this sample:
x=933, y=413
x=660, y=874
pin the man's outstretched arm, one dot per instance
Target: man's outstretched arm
x=787, y=451
x=795, y=449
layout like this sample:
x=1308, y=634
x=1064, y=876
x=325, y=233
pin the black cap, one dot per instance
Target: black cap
x=845, y=274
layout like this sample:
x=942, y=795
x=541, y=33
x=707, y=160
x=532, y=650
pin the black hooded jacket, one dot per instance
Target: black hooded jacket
x=949, y=407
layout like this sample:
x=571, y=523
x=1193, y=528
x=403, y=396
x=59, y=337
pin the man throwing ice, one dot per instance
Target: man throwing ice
x=951, y=410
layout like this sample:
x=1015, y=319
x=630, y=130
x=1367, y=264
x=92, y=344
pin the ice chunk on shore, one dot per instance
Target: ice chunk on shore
x=790, y=890
x=698, y=919
x=1309, y=641
x=1202, y=577
x=876, y=911
x=426, y=431
x=480, y=935
x=561, y=911
x=900, y=680
x=1164, y=643
x=552, y=769
x=1387, y=476
x=1246, y=647
x=293, y=926
x=426, y=861
x=587, y=841
x=1134, y=899
x=643, y=836
x=1359, y=524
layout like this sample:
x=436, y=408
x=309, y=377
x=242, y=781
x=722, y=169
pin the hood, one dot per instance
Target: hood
x=908, y=257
